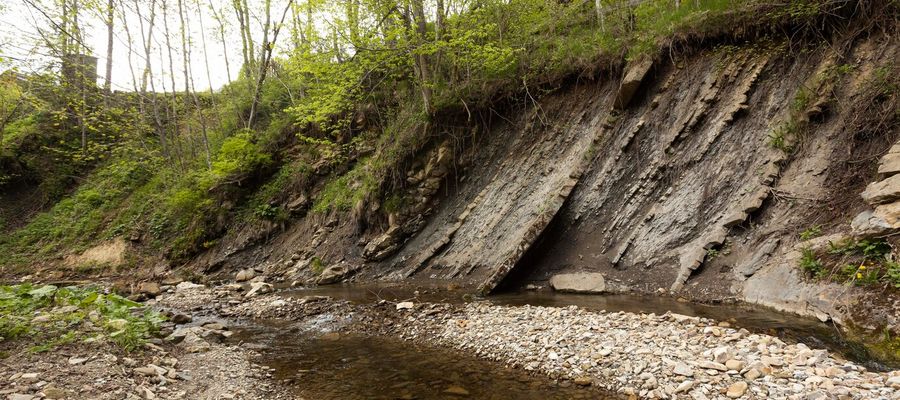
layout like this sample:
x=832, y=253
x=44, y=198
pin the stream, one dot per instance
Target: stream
x=341, y=366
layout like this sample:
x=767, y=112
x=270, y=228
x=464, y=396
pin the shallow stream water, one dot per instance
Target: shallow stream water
x=333, y=366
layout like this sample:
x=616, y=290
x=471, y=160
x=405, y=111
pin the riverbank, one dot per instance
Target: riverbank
x=569, y=352
x=636, y=355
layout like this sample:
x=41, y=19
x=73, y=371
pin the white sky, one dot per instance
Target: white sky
x=22, y=47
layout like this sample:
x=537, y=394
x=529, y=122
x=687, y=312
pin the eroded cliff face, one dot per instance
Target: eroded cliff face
x=693, y=194
x=691, y=175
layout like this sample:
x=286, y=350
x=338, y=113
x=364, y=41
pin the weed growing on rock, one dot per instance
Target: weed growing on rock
x=810, y=263
x=864, y=262
x=811, y=232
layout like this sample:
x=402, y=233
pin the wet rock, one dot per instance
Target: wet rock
x=579, y=282
x=180, y=319
x=245, y=275
x=405, y=305
x=736, y=389
x=456, y=391
x=257, y=288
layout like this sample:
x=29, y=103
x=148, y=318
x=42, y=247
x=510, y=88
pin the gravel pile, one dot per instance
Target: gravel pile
x=649, y=356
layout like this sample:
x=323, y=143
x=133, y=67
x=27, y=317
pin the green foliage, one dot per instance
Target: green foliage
x=349, y=189
x=317, y=266
x=239, y=155
x=811, y=232
x=778, y=138
x=810, y=263
x=892, y=273
x=269, y=212
x=860, y=262
x=67, y=314
x=868, y=249
x=659, y=19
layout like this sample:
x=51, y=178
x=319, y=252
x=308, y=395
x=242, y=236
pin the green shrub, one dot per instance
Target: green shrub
x=239, y=155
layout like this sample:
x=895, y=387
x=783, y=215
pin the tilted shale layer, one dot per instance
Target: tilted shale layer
x=659, y=182
x=517, y=186
x=648, y=178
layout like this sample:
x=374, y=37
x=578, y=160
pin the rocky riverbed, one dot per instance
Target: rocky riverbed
x=649, y=356
x=669, y=356
x=636, y=355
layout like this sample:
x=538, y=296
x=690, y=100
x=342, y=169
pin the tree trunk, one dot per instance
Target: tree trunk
x=174, y=100
x=239, y=13
x=424, y=70
x=189, y=88
x=266, y=55
x=147, y=73
x=110, y=17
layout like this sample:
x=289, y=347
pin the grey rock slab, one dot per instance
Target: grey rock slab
x=884, y=191
x=632, y=80
x=579, y=282
x=890, y=164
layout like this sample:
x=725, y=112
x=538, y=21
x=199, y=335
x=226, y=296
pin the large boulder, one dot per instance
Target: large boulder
x=579, y=282
x=245, y=275
x=890, y=162
x=634, y=75
x=884, y=220
x=385, y=245
x=149, y=288
x=336, y=273
x=882, y=192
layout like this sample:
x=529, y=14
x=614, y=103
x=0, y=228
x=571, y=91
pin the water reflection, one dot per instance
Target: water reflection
x=333, y=366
